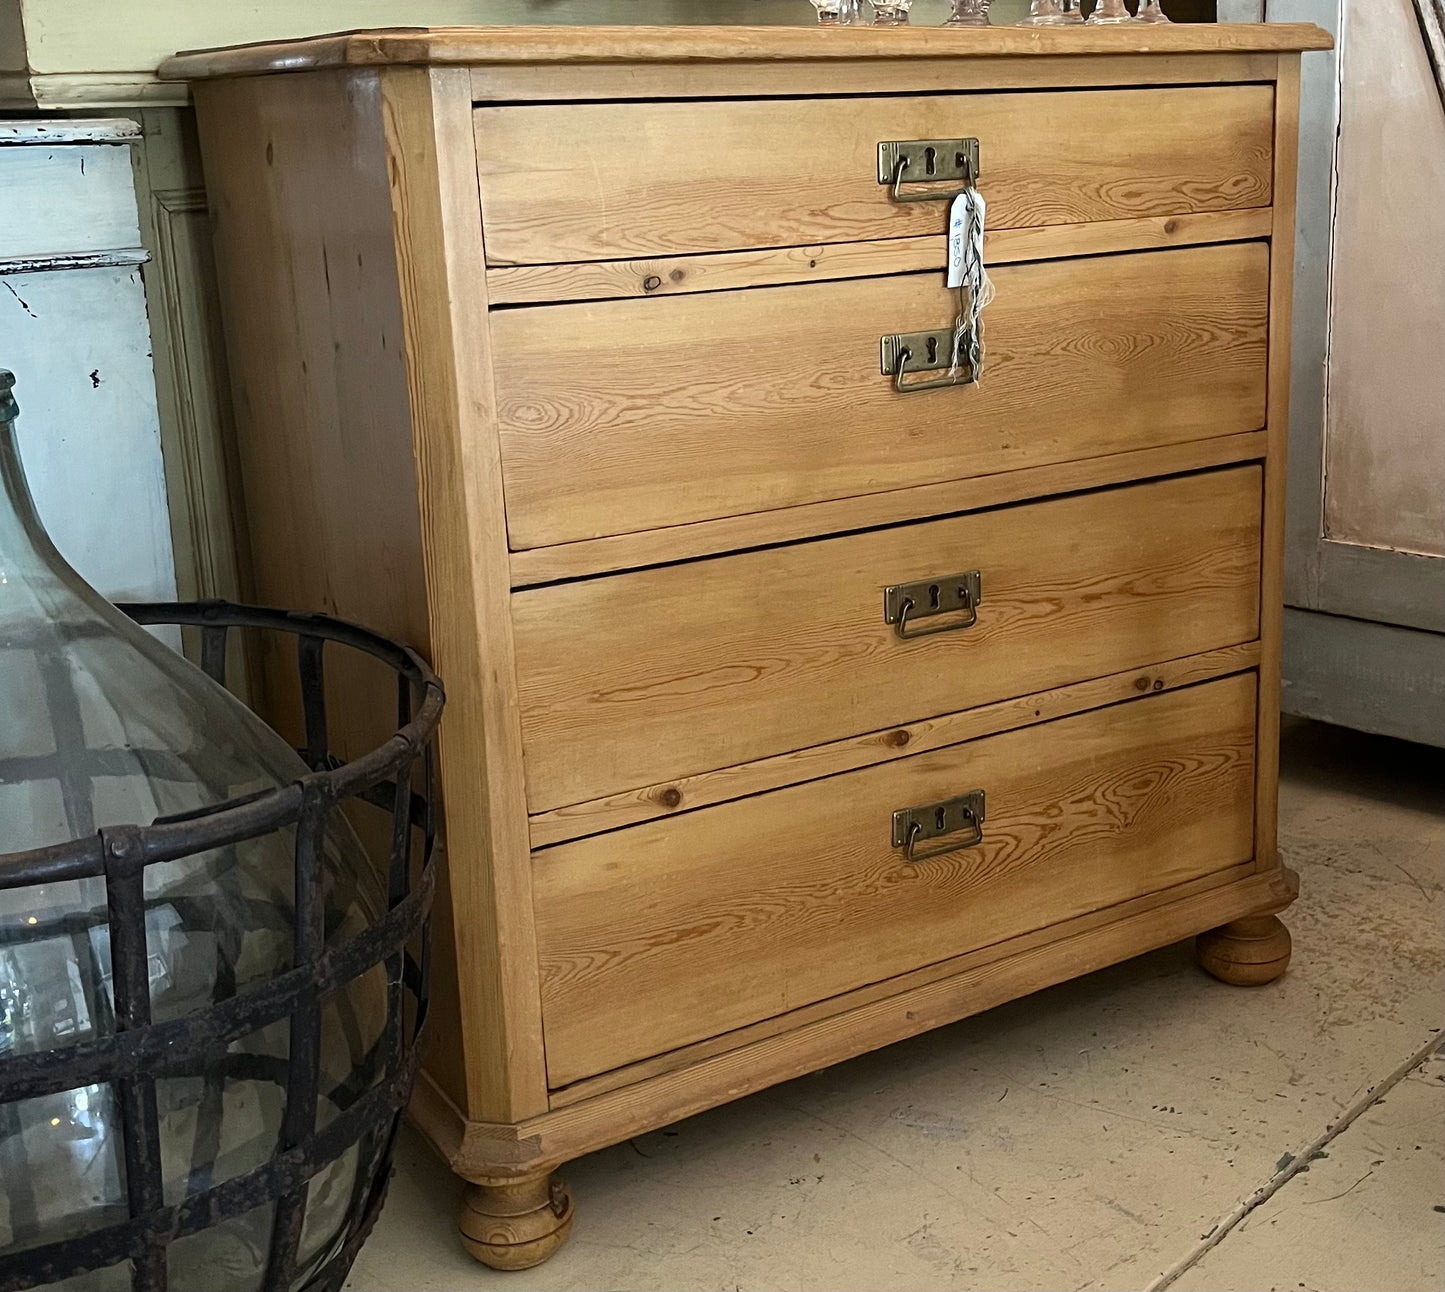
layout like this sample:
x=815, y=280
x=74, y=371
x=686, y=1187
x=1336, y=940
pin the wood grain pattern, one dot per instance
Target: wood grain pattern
x=992, y=979
x=614, y=420
x=627, y=681
x=633, y=180
x=690, y=927
x=641, y=516
x=515, y=1224
x=318, y=380
x=774, y=266
x=579, y=82
x=787, y=524
x=685, y=793
x=1245, y=953
x=902, y=985
x=1281, y=304
x=440, y=275
x=723, y=44
x=361, y=487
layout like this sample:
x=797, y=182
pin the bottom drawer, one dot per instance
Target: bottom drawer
x=666, y=933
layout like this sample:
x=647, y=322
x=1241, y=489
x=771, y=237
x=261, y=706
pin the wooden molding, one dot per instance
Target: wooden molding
x=481, y=1150
x=70, y=90
x=198, y=391
x=492, y=45
x=101, y=130
x=1271, y=591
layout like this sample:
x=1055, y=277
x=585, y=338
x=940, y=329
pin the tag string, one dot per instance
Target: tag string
x=967, y=273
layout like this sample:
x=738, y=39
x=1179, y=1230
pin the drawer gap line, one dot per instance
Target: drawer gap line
x=822, y=536
x=1247, y=660
x=1109, y=87
x=1101, y=254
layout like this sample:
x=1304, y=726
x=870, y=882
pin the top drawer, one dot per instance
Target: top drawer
x=599, y=181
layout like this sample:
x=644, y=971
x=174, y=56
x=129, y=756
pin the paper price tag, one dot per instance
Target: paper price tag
x=958, y=220
x=965, y=238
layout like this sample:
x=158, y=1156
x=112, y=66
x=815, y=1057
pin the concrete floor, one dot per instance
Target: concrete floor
x=1140, y=1128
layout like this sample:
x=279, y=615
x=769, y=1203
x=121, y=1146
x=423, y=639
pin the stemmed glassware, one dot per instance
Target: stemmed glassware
x=838, y=13
x=891, y=13
x=969, y=13
x=1044, y=13
x=974, y=13
x=1107, y=12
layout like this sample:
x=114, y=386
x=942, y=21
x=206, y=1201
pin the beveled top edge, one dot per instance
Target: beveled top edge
x=493, y=45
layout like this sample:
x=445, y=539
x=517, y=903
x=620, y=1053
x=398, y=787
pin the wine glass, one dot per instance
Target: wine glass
x=1151, y=11
x=1044, y=13
x=1071, y=11
x=1108, y=12
x=891, y=13
x=969, y=13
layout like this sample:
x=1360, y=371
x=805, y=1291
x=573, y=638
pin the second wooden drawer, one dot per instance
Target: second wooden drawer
x=628, y=680
x=619, y=416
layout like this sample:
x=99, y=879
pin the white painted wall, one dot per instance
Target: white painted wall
x=78, y=341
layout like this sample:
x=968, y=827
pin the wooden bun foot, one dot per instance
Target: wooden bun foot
x=515, y=1224
x=1245, y=953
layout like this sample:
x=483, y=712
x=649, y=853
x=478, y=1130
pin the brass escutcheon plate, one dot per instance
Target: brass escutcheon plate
x=929, y=159
x=929, y=597
x=931, y=820
x=927, y=351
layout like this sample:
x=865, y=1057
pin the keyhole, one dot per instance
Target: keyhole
x=933, y=349
x=938, y=818
x=930, y=158
x=933, y=596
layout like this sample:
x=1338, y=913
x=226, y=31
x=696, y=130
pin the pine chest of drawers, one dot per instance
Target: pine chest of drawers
x=791, y=713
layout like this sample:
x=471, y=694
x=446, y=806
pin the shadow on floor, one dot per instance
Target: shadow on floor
x=1381, y=768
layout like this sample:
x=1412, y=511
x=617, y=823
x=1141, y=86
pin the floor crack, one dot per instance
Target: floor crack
x=1292, y=1166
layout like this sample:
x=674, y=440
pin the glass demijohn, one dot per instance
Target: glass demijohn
x=102, y=725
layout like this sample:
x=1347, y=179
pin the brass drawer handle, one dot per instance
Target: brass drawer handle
x=927, y=161
x=961, y=816
x=930, y=597
x=900, y=353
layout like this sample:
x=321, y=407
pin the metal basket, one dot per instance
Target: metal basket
x=139, y=1052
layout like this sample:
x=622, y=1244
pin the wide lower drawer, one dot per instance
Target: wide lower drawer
x=631, y=679
x=663, y=934
x=591, y=181
x=628, y=415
